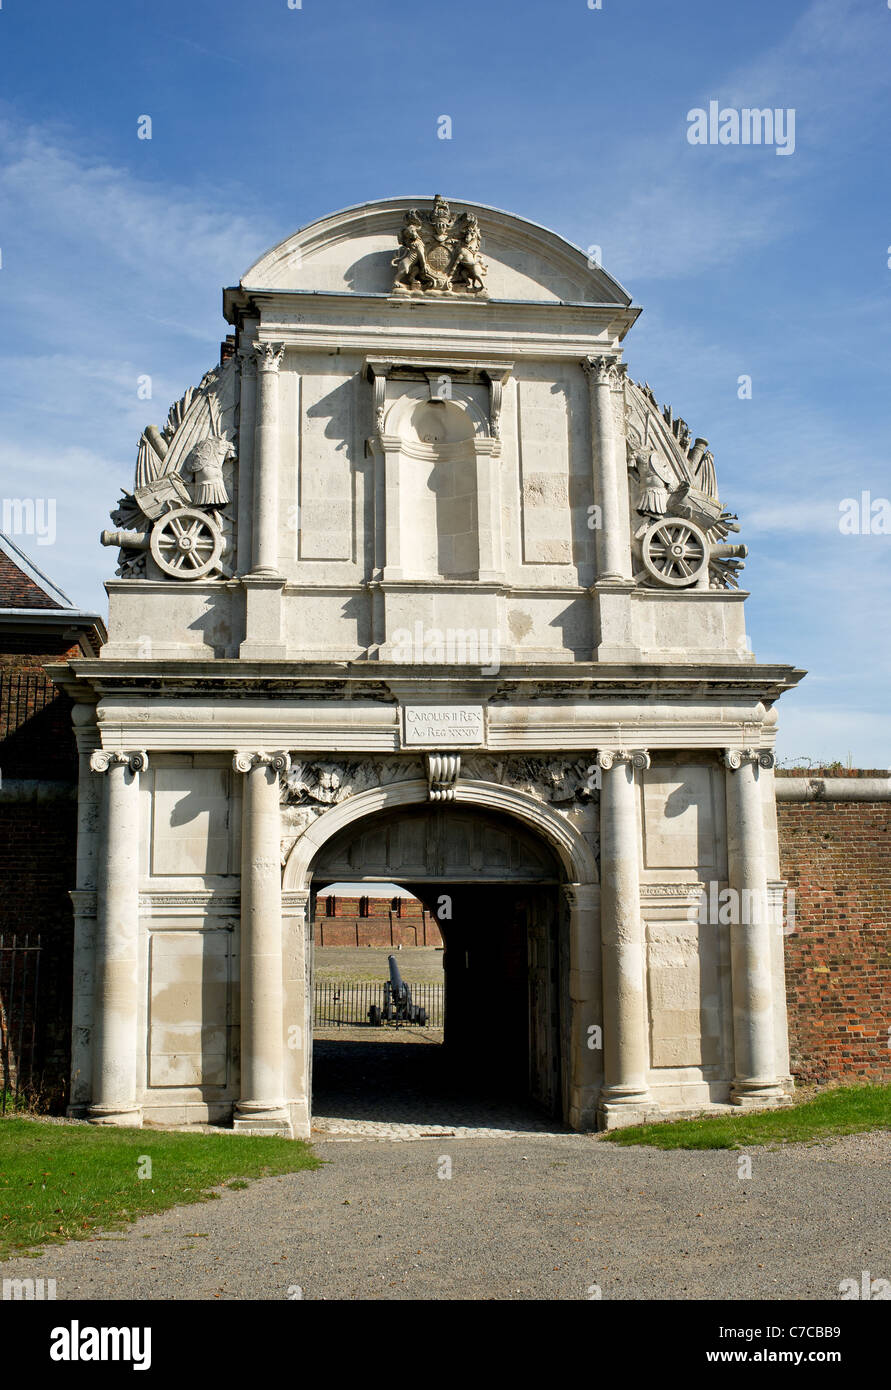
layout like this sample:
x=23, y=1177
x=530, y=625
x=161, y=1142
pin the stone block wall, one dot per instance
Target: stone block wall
x=836, y=856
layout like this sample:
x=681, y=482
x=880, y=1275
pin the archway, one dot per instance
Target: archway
x=493, y=879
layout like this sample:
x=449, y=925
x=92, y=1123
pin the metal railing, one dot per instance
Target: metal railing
x=19, y=984
x=339, y=1004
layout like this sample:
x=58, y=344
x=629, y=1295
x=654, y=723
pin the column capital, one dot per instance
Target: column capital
x=246, y=362
x=101, y=759
x=244, y=761
x=605, y=371
x=295, y=901
x=268, y=355
x=734, y=758
x=638, y=758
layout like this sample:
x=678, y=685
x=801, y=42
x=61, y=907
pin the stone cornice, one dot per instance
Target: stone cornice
x=537, y=328
x=340, y=680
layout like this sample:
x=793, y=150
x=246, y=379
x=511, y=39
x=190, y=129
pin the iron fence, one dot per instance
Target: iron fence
x=19, y=984
x=338, y=1004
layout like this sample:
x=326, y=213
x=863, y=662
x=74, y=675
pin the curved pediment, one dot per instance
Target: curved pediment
x=481, y=252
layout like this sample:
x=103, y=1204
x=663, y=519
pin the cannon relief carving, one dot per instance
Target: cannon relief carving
x=178, y=512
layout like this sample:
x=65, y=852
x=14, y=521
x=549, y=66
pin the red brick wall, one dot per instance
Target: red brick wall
x=381, y=924
x=837, y=858
x=38, y=840
x=36, y=738
x=37, y=868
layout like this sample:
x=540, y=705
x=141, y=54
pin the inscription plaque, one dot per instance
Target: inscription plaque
x=442, y=726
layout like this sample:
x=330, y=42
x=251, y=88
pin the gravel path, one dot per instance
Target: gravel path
x=546, y=1216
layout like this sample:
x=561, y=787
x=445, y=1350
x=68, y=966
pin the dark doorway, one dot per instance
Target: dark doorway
x=497, y=1060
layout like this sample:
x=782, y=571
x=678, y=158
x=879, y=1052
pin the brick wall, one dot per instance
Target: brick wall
x=37, y=868
x=38, y=840
x=837, y=858
x=374, y=922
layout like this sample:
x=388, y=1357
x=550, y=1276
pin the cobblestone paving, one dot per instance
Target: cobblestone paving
x=401, y=1086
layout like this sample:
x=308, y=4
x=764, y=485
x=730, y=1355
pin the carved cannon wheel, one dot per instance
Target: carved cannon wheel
x=676, y=552
x=186, y=544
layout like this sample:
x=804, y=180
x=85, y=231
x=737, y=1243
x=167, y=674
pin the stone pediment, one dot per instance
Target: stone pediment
x=353, y=252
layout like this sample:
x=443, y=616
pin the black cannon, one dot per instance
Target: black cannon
x=397, y=1006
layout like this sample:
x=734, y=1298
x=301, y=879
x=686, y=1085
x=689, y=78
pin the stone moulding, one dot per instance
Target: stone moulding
x=202, y=899
x=574, y=851
x=313, y=787
x=691, y=891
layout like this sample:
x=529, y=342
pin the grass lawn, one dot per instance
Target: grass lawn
x=65, y=1182
x=843, y=1110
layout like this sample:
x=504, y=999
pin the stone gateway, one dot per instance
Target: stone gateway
x=418, y=585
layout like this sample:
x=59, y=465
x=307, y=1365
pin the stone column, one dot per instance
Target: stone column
x=612, y=539
x=586, y=1003
x=754, y=1055
x=261, y=1108
x=625, y=1098
x=263, y=619
x=115, y=1040
x=266, y=460
x=247, y=425
x=297, y=954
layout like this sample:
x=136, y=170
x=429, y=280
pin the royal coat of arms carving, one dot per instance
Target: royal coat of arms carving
x=440, y=254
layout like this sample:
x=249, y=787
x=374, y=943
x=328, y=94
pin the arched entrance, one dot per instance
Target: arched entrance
x=497, y=884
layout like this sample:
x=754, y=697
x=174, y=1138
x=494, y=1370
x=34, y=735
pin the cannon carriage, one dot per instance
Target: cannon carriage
x=397, y=1006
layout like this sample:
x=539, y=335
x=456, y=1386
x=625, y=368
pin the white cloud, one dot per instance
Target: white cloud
x=108, y=276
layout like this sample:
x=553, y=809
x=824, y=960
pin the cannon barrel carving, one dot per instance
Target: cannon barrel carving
x=132, y=540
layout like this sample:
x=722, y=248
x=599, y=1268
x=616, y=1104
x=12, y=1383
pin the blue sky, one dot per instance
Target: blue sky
x=114, y=250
